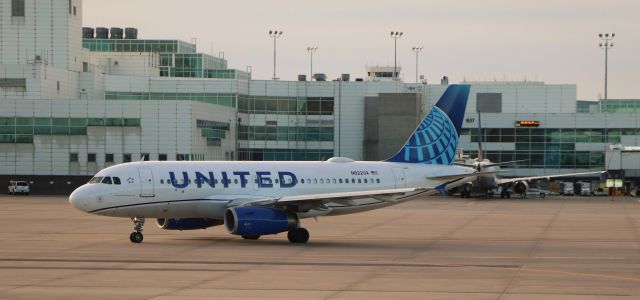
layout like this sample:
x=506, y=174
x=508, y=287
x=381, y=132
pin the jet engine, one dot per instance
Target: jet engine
x=256, y=221
x=187, y=224
x=520, y=187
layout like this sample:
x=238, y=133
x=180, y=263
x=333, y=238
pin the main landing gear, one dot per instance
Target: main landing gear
x=298, y=235
x=136, y=236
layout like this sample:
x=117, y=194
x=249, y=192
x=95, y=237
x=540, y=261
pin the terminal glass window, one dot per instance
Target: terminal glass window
x=283, y=133
x=126, y=157
x=108, y=157
x=286, y=105
x=549, y=148
x=17, y=8
x=91, y=157
x=285, y=154
x=73, y=157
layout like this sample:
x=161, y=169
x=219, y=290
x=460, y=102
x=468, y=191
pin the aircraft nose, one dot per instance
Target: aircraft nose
x=78, y=199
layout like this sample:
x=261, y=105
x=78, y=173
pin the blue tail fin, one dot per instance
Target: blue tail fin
x=436, y=138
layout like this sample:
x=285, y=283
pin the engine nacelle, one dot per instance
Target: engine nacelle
x=520, y=187
x=259, y=220
x=187, y=224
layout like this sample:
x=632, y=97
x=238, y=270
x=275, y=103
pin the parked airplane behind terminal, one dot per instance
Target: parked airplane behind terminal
x=260, y=198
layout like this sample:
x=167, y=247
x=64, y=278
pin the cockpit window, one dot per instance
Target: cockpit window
x=96, y=180
x=106, y=180
x=116, y=180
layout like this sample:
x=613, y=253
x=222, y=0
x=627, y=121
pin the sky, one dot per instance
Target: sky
x=555, y=41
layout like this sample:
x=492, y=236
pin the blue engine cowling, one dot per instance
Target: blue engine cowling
x=187, y=223
x=259, y=220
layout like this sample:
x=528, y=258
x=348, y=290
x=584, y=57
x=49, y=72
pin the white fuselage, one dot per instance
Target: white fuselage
x=205, y=189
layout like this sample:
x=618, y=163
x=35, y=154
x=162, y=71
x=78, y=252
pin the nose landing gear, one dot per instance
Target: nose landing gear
x=136, y=236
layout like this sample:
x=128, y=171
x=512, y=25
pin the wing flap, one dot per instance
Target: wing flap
x=511, y=180
x=460, y=176
x=331, y=197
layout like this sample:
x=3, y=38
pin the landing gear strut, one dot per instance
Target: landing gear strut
x=298, y=235
x=136, y=236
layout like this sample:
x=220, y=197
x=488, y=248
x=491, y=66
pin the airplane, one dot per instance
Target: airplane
x=488, y=180
x=262, y=198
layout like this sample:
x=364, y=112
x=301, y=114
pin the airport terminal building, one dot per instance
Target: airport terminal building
x=74, y=100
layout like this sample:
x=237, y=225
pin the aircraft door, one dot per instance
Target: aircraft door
x=401, y=181
x=146, y=182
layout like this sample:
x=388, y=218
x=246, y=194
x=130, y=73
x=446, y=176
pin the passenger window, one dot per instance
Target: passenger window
x=106, y=180
x=365, y=180
x=321, y=181
x=378, y=180
x=359, y=180
x=276, y=181
x=309, y=180
x=340, y=180
x=353, y=180
x=116, y=180
x=302, y=180
x=236, y=181
x=334, y=180
x=315, y=180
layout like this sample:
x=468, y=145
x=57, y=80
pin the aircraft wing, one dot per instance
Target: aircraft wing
x=329, y=197
x=336, y=203
x=501, y=181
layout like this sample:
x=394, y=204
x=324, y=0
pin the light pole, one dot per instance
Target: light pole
x=274, y=34
x=311, y=50
x=606, y=38
x=417, y=50
x=395, y=35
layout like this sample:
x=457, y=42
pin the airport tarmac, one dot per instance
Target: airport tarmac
x=432, y=248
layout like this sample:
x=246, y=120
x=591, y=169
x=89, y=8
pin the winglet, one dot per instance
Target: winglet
x=442, y=189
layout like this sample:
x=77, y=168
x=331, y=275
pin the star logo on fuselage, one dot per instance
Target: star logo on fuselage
x=130, y=180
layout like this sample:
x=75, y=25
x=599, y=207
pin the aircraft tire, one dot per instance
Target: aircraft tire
x=298, y=236
x=136, y=237
x=251, y=237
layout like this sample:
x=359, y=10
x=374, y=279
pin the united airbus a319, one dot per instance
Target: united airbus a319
x=252, y=199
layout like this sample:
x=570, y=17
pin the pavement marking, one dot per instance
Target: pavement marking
x=582, y=274
x=275, y=263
